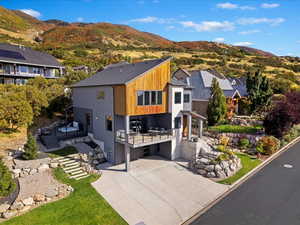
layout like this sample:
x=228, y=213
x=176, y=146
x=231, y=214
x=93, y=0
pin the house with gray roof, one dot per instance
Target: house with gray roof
x=134, y=110
x=19, y=63
x=201, y=81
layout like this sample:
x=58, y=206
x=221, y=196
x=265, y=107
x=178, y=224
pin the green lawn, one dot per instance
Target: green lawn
x=83, y=207
x=68, y=150
x=226, y=128
x=248, y=165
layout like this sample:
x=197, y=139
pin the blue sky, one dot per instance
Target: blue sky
x=267, y=25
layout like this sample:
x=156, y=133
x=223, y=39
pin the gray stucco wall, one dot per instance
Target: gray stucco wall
x=85, y=100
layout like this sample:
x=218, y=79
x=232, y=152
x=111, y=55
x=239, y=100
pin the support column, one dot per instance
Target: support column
x=127, y=148
x=189, y=127
x=200, y=128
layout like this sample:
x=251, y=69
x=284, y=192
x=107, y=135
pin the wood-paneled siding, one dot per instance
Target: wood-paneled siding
x=125, y=96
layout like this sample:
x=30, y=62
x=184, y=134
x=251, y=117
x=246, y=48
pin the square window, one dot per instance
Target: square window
x=186, y=98
x=177, y=97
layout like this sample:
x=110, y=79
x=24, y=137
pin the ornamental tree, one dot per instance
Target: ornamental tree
x=217, y=107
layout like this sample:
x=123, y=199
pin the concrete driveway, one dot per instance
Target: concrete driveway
x=156, y=191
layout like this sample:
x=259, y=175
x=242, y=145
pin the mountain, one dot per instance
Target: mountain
x=98, y=44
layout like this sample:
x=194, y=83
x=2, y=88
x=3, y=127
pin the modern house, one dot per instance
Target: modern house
x=135, y=110
x=19, y=63
x=201, y=80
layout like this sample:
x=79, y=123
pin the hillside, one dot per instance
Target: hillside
x=98, y=44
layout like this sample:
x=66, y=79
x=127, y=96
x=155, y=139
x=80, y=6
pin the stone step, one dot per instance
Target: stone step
x=71, y=164
x=76, y=172
x=73, y=169
x=64, y=159
x=78, y=178
x=68, y=162
x=79, y=175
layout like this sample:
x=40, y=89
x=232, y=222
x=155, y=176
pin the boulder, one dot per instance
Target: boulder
x=16, y=172
x=220, y=174
x=43, y=168
x=209, y=168
x=16, y=206
x=204, y=161
x=4, y=207
x=9, y=214
x=54, y=165
x=26, y=208
x=202, y=172
x=39, y=197
x=218, y=167
x=51, y=193
x=28, y=201
x=95, y=162
x=33, y=171
x=211, y=175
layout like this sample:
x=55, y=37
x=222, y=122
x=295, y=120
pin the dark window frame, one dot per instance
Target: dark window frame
x=177, y=97
x=177, y=122
x=147, y=98
x=186, y=98
x=108, y=123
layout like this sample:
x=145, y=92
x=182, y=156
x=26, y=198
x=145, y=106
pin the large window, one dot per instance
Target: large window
x=23, y=69
x=109, y=123
x=149, y=98
x=186, y=98
x=177, y=122
x=177, y=97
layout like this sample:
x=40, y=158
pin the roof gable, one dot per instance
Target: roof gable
x=121, y=74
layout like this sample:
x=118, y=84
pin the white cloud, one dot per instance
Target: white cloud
x=219, y=39
x=246, y=32
x=253, y=20
x=170, y=27
x=152, y=19
x=228, y=5
x=269, y=5
x=243, y=43
x=209, y=25
x=80, y=19
x=31, y=12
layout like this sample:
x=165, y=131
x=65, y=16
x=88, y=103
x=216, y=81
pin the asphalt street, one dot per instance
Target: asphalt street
x=271, y=197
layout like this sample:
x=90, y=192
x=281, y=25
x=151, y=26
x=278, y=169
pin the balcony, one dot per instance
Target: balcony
x=152, y=136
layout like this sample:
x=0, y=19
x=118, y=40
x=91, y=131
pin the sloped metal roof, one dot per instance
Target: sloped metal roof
x=24, y=55
x=120, y=74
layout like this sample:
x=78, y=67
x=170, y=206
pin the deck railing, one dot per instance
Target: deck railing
x=135, y=138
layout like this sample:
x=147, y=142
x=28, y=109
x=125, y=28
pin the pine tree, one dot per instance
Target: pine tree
x=259, y=90
x=30, y=148
x=217, y=107
x=7, y=185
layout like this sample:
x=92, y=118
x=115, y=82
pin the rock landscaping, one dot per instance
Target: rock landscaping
x=209, y=163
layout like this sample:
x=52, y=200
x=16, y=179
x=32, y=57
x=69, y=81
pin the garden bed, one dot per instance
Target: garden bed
x=68, y=150
x=248, y=164
x=83, y=206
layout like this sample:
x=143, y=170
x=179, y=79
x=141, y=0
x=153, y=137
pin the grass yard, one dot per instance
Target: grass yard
x=226, y=128
x=68, y=150
x=248, y=165
x=83, y=207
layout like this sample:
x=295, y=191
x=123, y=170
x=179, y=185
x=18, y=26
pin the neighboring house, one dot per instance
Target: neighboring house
x=19, y=63
x=135, y=110
x=201, y=80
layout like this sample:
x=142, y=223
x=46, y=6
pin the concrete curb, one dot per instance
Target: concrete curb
x=242, y=180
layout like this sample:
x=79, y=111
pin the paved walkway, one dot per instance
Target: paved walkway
x=156, y=191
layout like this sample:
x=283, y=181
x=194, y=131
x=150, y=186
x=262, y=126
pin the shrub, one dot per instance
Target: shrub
x=223, y=157
x=220, y=148
x=30, y=148
x=244, y=143
x=7, y=185
x=268, y=145
x=224, y=141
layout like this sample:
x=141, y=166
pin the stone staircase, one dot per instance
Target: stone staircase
x=71, y=165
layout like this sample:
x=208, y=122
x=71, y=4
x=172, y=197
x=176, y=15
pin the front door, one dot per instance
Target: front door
x=185, y=126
